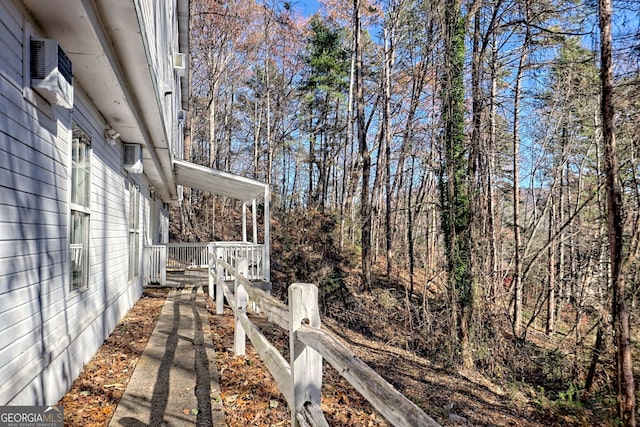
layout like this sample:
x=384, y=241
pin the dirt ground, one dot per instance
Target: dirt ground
x=251, y=398
x=94, y=395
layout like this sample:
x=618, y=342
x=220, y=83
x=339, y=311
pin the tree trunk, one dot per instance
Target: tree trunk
x=410, y=247
x=595, y=357
x=625, y=382
x=347, y=165
x=477, y=171
x=454, y=184
x=551, y=290
x=212, y=126
x=256, y=138
x=365, y=202
x=388, y=59
x=517, y=235
x=493, y=247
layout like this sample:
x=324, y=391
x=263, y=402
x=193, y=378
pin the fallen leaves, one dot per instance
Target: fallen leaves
x=248, y=393
x=94, y=395
x=251, y=397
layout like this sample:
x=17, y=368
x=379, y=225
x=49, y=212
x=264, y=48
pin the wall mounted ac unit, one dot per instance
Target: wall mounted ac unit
x=133, y=158
x=51, y=72
x=180, y=63
x=180, y=190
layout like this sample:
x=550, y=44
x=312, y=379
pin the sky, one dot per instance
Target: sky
x=306, y=7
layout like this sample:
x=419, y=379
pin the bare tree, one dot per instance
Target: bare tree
x=625, y=382
x=363, y=149
x=517, y=226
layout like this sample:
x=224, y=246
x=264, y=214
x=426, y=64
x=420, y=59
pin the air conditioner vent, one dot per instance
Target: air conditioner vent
x=64, y=66
x=180, y=63
x=133, y=158
x=51, y=72
x=38, y=60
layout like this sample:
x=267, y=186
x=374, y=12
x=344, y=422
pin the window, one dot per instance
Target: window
x=134, y=231
x=80, y=213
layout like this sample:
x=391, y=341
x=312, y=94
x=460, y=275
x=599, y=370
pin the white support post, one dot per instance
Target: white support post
x=220, y=276
x=240, y=336
x=254, y=218
x=266, y=263
x=213, y=268
x=244, y=221
x=306, y=363
x=163, y=265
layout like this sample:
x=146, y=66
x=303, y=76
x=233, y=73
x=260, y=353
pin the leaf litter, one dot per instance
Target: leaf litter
x=94, y=395
x=250, y=396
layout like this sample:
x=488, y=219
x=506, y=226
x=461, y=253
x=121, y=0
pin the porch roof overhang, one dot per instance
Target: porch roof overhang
x=218, y=182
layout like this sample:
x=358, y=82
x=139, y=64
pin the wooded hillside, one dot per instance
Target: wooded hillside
x=477, y=160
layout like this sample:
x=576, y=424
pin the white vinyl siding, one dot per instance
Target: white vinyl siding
x=48, y=330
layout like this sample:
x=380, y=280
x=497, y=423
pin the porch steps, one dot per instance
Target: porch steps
x=186, y=278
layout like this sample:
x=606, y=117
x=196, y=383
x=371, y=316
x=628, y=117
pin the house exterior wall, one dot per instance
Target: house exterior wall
x=48, y=330
x=158, y=22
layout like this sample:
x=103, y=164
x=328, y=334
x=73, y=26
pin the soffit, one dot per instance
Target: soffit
x=103, y=40
x=217, y=182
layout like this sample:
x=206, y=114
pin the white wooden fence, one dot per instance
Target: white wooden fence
x=300, y=378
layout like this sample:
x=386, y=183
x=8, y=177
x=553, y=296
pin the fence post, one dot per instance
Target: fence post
x=240, y=339
x=163, y=265
x=219, y=252
x=213, y=267
x=212, y=278
x=306, y=363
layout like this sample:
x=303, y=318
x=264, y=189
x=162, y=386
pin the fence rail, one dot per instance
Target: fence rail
x=300, y=379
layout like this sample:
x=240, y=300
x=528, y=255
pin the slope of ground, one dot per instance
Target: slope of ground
x=251, y=398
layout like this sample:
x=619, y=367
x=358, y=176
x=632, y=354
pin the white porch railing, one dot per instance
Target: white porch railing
x=155, y=268
x=187, y=255
x=182, y=256
x=229, y=252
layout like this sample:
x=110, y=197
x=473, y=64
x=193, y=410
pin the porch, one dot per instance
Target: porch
x=180, y=265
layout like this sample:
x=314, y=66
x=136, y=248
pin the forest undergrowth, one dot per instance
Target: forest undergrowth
x=537, y=377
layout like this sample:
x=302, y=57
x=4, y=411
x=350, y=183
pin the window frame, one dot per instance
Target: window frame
x=133, y=232
x=79, y=208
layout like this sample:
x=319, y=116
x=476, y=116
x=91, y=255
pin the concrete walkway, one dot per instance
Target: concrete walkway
x=175, y=382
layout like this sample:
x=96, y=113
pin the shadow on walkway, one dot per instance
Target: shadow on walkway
x=175, y=382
